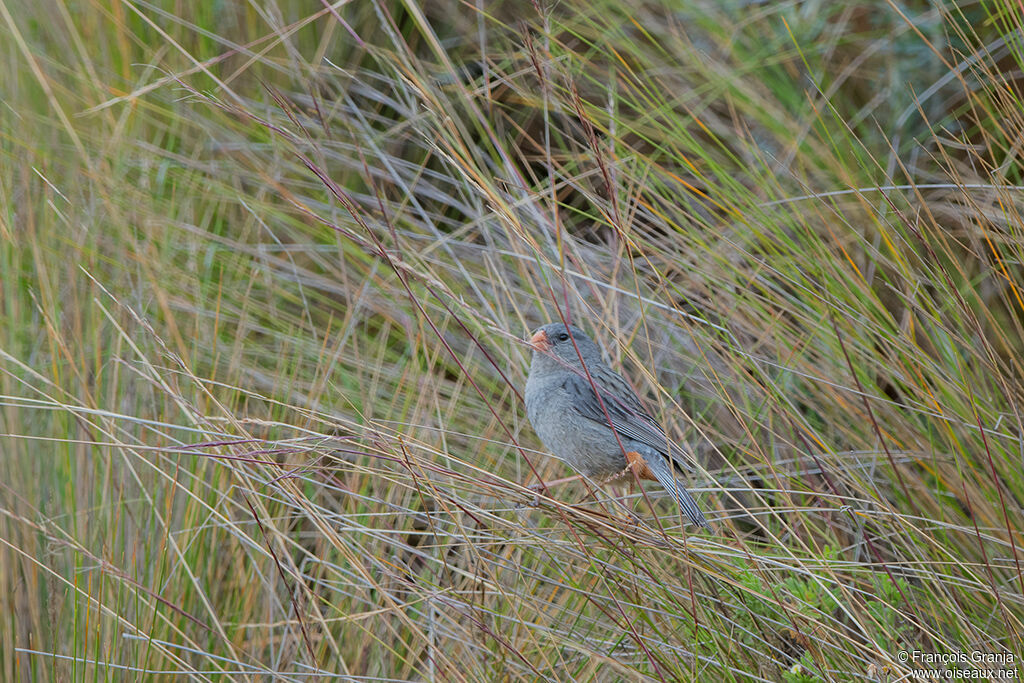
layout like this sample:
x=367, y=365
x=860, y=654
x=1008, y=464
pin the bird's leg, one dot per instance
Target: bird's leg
x=636, y=465
x=621, y=497
x=546, y=486
x=541, y=486
x=619, y=479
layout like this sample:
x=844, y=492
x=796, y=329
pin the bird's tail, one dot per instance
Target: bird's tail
x=663, y=473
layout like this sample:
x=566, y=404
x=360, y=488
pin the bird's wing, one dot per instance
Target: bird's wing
x=627, y=413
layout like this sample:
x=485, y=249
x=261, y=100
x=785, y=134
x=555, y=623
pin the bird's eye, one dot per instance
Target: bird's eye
x=562, y=336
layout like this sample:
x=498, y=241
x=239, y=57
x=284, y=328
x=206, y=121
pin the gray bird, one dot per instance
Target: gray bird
x=581, y=430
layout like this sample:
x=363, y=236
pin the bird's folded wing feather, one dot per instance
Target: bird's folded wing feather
x=627, y=413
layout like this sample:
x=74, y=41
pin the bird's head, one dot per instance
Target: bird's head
x=556, y=340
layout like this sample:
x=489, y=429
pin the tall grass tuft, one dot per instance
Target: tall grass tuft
x=267, y=269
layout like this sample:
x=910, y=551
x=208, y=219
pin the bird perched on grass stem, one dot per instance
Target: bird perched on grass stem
x=604, y=435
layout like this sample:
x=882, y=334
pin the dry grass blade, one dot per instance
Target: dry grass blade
x=266, y=270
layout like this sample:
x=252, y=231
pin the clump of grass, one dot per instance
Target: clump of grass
x=266, y=295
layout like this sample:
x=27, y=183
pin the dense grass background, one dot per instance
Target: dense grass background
x=265, y=269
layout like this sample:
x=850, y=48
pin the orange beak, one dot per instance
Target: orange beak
x=540, y=341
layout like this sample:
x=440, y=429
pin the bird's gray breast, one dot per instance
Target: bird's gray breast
x=546, y=406
x=588, y=446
